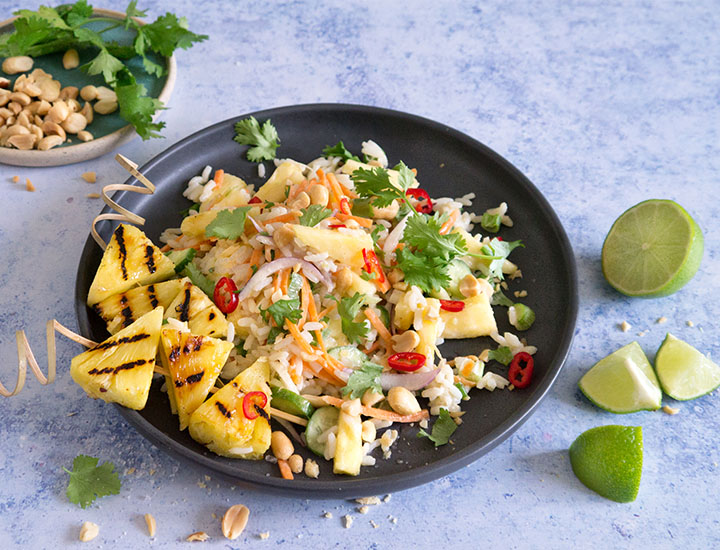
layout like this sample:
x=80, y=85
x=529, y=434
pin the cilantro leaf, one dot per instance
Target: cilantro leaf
x=339, y=150
x=168, y=32
x=423, y=232
x=263, y=140
x=89, y=481
x=376, y=183
x=425, y=272
x=348, y=308
x=199, y=279
x=442, y=429
x=501, y=355
x=365, y=378
x=75, y=14
x=136, y=106
x=273, y=334
x=228, y=224
x=289, y=308
x=106, y=64
x=498, y=251
x=314, y=214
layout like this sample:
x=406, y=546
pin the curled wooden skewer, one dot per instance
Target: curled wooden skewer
x=121, y=213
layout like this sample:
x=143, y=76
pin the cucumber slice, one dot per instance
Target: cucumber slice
x=349, y=356
x=291, y=402
x=181, y=258
x=322, y=420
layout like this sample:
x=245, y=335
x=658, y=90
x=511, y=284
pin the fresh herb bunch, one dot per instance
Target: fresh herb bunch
x=49, y=30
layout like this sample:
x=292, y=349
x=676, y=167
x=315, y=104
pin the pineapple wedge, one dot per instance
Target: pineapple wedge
x=226, y=195
x=120, y=310
x=220, y=424
x=194, y=363
x=131, y=259
x=346, y=249
x=475, y=320
x=273, y=189
x=193, y=306
x=120, y=370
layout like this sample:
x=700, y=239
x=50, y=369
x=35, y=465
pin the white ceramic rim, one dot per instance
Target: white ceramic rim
x=91, y=149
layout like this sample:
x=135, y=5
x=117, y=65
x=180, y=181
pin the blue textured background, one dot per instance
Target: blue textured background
x=600, y=103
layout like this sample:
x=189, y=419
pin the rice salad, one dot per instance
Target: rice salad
x=325, y=295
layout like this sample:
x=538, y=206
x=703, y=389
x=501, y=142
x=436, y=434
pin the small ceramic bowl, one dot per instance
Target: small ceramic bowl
x=110, y=131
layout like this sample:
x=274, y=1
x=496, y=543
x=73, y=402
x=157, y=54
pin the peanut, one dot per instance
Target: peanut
x=371, y=398
x=281, y=445
x=300, y=202
x=48, y=142
x=296, y=463
x=74, y=123
x=69, y=92
x=88, y=531
x=84, y=135
x=21, y=98
x=368, y=431
x=407, y=341
x=151, y=524
x=103, y=92
x=318, y=194
x=388, y=212
x=89, y=93
x=469, y=286
x=58, y=112
x=403, y=401
x=25, y=142
x=17, y=64
x=234, y=521
x=53, y=128
x=87, y=112
x=105, y=106
x=70, y=59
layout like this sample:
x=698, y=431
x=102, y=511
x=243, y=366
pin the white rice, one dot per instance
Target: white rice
x=373, y=151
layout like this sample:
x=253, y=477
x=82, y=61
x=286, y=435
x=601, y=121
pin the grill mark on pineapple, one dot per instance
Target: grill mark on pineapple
x=223, y=410
x=120, y=237
x=152, y=297
x=127, y=312
x=184, y=308
x=192, y=345
x=192, y=379
x=119, y=341
x=211, y=316
x=125, y=366
x=261, y=412
x=150, y=259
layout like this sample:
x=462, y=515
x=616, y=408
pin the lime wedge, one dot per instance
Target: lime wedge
x=684, y=372
x=653, y=249
x=623, y=382
x=608, y=460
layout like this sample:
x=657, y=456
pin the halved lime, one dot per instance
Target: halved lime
x=608, y=460
x=623, y=382
x=653, y=249
x=684, y=372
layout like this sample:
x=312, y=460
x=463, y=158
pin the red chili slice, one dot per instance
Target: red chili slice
x=521, y=370
x=407, y=361
x=337, y=225
x=372, y=265
x=345, y=206
x=250, y=401
x=225, y=295
x=424, y=205
x=254, y=200
x=452, y=305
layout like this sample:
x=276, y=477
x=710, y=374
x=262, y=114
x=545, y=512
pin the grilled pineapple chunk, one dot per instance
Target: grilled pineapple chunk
x=131, y=259
x=203, y=317
x=120, y=370
x=220, y=423
x=226, y=195
x=346, y=249
x=194, y=363
x=273, y=189
x=348, y=448
x=120, y=310
x=476, y=319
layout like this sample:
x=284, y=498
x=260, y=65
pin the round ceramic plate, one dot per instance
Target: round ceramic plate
x=449, y=163
x=110, y=131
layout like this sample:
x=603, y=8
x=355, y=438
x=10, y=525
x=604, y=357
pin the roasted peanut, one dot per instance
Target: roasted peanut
x=371, y=398
x=87, y=112
x=318, y=194
x=88, y=531
x=388, y=212
x=151, y=524
x=469, y=286
x=343, y=279
x=368, y=431
x=84, y=135
x=53, y=128
x=103, y=93
x=296, y=463
x=70, y=59
x=283, y=236
x=234, y=521
x=406, y=341
x=50, y=89
x=43, y=107
x=300, y=202
x=403, y=401
x=69, y=92
x=281, y=445
x=24, y=142
x=89, y=93
x=58, y=112
x=48, y=142
x=105, y=106
x=17, y=64
x=74, y=123
x=21, y=98
x=15, y=107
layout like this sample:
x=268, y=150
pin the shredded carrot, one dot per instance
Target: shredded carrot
x=256, y=256
x=447, y=226
x=305, y=297
x=165, y=248
x=327, y=310
x=289, y=217
x=297, y=367
x=372, y=349
x=276, y=283
x=380, y=413
x=414, y=171
x=349, y=192
x=378, y=325
x=312, y=311
x=285, y=470
x=335, y=186
x=464, y=381
x=219, y=175
x=292, y=327
x=363, y=222
x=284, y=280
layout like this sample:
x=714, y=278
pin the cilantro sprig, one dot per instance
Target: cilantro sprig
x=263, y=140
x=376, y=183
x=348, y=308
x=228, y=224
x=502, y=355
x=89, y=481
x=442, y=429
x=289, y=308
x=367, y=377
x=314, y=214
x=339, y=150
x=49, y=30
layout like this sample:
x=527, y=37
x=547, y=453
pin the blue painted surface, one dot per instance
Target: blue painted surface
x=601, y=104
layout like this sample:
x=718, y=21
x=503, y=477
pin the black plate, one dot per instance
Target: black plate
x=449, y=163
